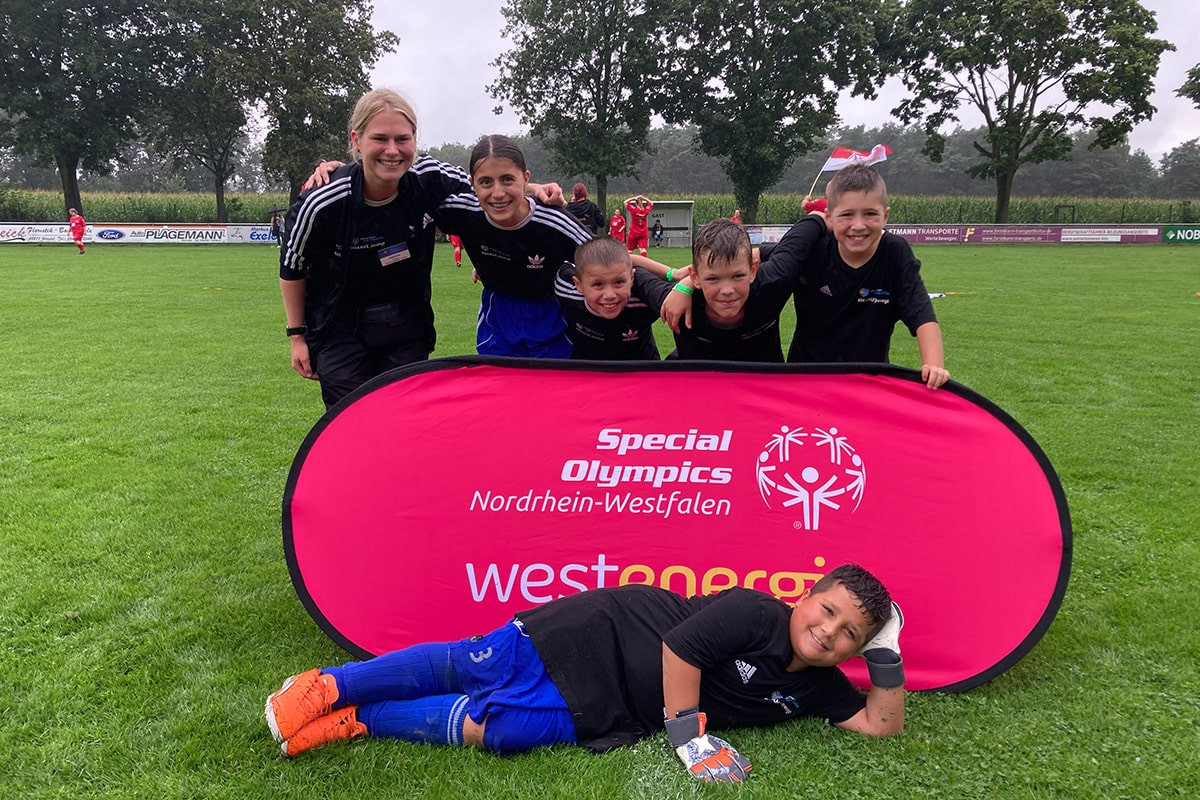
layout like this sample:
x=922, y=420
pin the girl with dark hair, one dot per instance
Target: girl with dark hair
x=516, y=245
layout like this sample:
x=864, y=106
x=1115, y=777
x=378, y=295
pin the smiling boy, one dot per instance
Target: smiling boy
x=608, y=667
x=735, y=311
x=609, y=306
x=860, y=282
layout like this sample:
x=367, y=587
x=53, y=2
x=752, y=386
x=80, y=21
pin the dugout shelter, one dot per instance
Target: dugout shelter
x=676, y=218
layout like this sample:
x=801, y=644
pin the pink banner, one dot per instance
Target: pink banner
x=442, y=498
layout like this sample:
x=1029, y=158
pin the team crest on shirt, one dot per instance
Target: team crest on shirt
x=536, y=262
x=786, y=703
x=816, y=472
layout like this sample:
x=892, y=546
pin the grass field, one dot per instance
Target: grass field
x=148, y=418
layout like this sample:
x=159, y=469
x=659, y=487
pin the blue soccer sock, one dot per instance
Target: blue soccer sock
x=435, y=720
x=423, y=670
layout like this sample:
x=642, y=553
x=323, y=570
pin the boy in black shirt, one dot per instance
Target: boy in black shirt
x=859, y=282
x=607, y=667
x=735, y=314
x=610, y=307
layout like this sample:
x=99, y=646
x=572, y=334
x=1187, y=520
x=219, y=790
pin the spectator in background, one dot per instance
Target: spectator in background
x=656, y=233
x=585, y=211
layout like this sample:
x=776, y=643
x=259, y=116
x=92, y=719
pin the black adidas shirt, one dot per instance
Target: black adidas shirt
x=516, y=262
x=627, y=337
x=845, y=314
x=757, y=337
x=384, y=263
x=603, y=649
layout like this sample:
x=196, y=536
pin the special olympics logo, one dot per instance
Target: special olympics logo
x=814, y=470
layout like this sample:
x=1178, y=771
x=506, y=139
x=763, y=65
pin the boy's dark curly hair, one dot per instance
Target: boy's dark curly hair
x=873, y=597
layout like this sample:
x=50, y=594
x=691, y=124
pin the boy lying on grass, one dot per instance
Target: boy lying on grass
x=607, y=667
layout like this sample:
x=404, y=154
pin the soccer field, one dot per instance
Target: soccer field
x=149, y=416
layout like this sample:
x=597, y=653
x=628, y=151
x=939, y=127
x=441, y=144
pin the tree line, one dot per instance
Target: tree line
x=674, y=166
x=760, y=79
x=749, y=95
x=84, y=85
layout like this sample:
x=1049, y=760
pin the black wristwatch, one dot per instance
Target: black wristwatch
x=298, y=331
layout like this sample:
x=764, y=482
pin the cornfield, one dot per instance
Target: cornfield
x=776, y=209
x=18, y=205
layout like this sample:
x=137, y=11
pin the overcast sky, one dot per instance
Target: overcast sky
x=442, y=65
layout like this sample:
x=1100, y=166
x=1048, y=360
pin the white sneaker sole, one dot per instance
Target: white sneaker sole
x=269, y=712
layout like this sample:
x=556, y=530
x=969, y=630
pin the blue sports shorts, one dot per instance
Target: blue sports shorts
x=520, y=327
x=509, y=688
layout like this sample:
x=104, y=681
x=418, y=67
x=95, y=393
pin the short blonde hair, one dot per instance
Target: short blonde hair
x=373, y=103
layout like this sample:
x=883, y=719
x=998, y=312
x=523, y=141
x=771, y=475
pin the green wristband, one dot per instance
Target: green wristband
x=670, y=273
x=680, y=287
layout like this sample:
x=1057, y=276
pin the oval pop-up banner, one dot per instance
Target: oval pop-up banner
x=441, y=498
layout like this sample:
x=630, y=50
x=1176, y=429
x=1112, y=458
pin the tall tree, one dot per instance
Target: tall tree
x=74, y=77
x=1033, y=69
x=313, y=66
x=203, y=120
x=761, y=79
x=579, y=75
x=1191, y=87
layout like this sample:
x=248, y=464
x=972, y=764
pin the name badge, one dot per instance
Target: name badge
x=397, y=252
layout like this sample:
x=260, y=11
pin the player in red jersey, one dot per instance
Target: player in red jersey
x=616, y=226
x=639, y=208
x=78, y=227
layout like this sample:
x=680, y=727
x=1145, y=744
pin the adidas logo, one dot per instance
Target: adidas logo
x=825, y=290
x=745, y=670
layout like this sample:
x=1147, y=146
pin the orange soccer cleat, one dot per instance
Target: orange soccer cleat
x=340, y=724
x=302, y=699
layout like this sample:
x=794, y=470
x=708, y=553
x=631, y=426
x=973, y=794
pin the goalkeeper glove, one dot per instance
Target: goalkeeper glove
x=706, y=757
x=882, y=653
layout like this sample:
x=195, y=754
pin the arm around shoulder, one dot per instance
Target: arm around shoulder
x=656, y=268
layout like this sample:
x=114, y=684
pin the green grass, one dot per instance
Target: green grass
x=148, y=418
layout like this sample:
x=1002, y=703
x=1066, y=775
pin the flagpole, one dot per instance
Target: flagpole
x=814, y=183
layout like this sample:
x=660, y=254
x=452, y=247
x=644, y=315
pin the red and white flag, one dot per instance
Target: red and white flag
x=844, y=156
